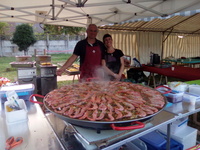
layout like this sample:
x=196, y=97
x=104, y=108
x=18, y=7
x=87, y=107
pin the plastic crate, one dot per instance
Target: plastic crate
x=187, y=96
x=194, y=89
x=24, y=91
x=154, y=143
x=136, y=144
x=157, y=141
x=174, y=96
x=140, y=144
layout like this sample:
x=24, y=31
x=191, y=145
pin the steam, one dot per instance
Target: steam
x=101, y=74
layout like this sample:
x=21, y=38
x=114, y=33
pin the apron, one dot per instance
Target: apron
x=91, y=63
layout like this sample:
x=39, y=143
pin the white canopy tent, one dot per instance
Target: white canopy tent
x=137, y=26
x=159, y=35
x=81, y=12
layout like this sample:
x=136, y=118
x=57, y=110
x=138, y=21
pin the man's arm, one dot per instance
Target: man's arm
x=67, y=64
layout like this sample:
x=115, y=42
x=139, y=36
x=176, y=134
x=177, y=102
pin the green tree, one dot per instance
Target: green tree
x=3, y=28
x=24, y=37
x=53, y=29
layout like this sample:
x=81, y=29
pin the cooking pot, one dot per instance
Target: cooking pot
x=154, y=59
x=107, y=125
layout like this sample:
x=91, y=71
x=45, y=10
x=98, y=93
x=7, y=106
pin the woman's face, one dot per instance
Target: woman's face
x=108, y=42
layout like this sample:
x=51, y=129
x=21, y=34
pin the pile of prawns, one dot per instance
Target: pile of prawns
x=105, y=101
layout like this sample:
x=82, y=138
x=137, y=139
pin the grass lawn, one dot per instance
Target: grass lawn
x=11, y=73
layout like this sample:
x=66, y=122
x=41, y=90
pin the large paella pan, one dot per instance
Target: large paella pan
x=102, y=104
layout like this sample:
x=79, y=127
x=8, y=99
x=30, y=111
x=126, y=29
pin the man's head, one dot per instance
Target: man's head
x=92, y=31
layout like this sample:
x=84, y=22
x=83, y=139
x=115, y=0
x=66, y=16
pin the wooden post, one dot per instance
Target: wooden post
x=35, y=52
x=45, y=52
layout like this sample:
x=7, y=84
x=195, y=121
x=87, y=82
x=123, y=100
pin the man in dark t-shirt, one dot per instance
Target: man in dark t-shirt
x=91, y=53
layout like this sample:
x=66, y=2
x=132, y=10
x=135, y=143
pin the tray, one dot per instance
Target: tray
x=22, y=64
x=163, y=65
x=72, y=72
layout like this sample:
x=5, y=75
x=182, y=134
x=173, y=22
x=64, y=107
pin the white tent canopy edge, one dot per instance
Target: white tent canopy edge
x=77, y=12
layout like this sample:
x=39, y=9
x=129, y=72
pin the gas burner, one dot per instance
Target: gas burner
x=88, y=138
x=70, y=140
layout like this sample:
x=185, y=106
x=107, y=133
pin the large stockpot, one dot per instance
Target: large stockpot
x=104, y=125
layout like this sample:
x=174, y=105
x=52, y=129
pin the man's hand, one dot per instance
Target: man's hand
x=59, y=72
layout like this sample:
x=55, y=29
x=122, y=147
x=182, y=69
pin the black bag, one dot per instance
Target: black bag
x=136, y=75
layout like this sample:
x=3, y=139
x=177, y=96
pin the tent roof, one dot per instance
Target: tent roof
x=81, y=12
x=187, y=22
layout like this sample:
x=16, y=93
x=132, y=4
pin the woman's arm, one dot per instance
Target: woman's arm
x=108, y=71
x=121, y=70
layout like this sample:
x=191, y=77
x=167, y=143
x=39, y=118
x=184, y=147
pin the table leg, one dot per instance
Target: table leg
x=161, y=77
x=73, y=78
x=149, y=79
x=166, y=80
x=78, y=77
x=168, y=136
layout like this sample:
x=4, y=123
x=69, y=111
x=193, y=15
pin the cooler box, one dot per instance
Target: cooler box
x=176, y=126
x=186, y=136
x=157, y=141
x=24, y=91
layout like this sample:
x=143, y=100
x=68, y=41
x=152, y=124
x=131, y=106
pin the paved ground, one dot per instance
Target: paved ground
x=66, y=77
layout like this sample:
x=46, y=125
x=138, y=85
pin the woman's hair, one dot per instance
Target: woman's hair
x=105, y=36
